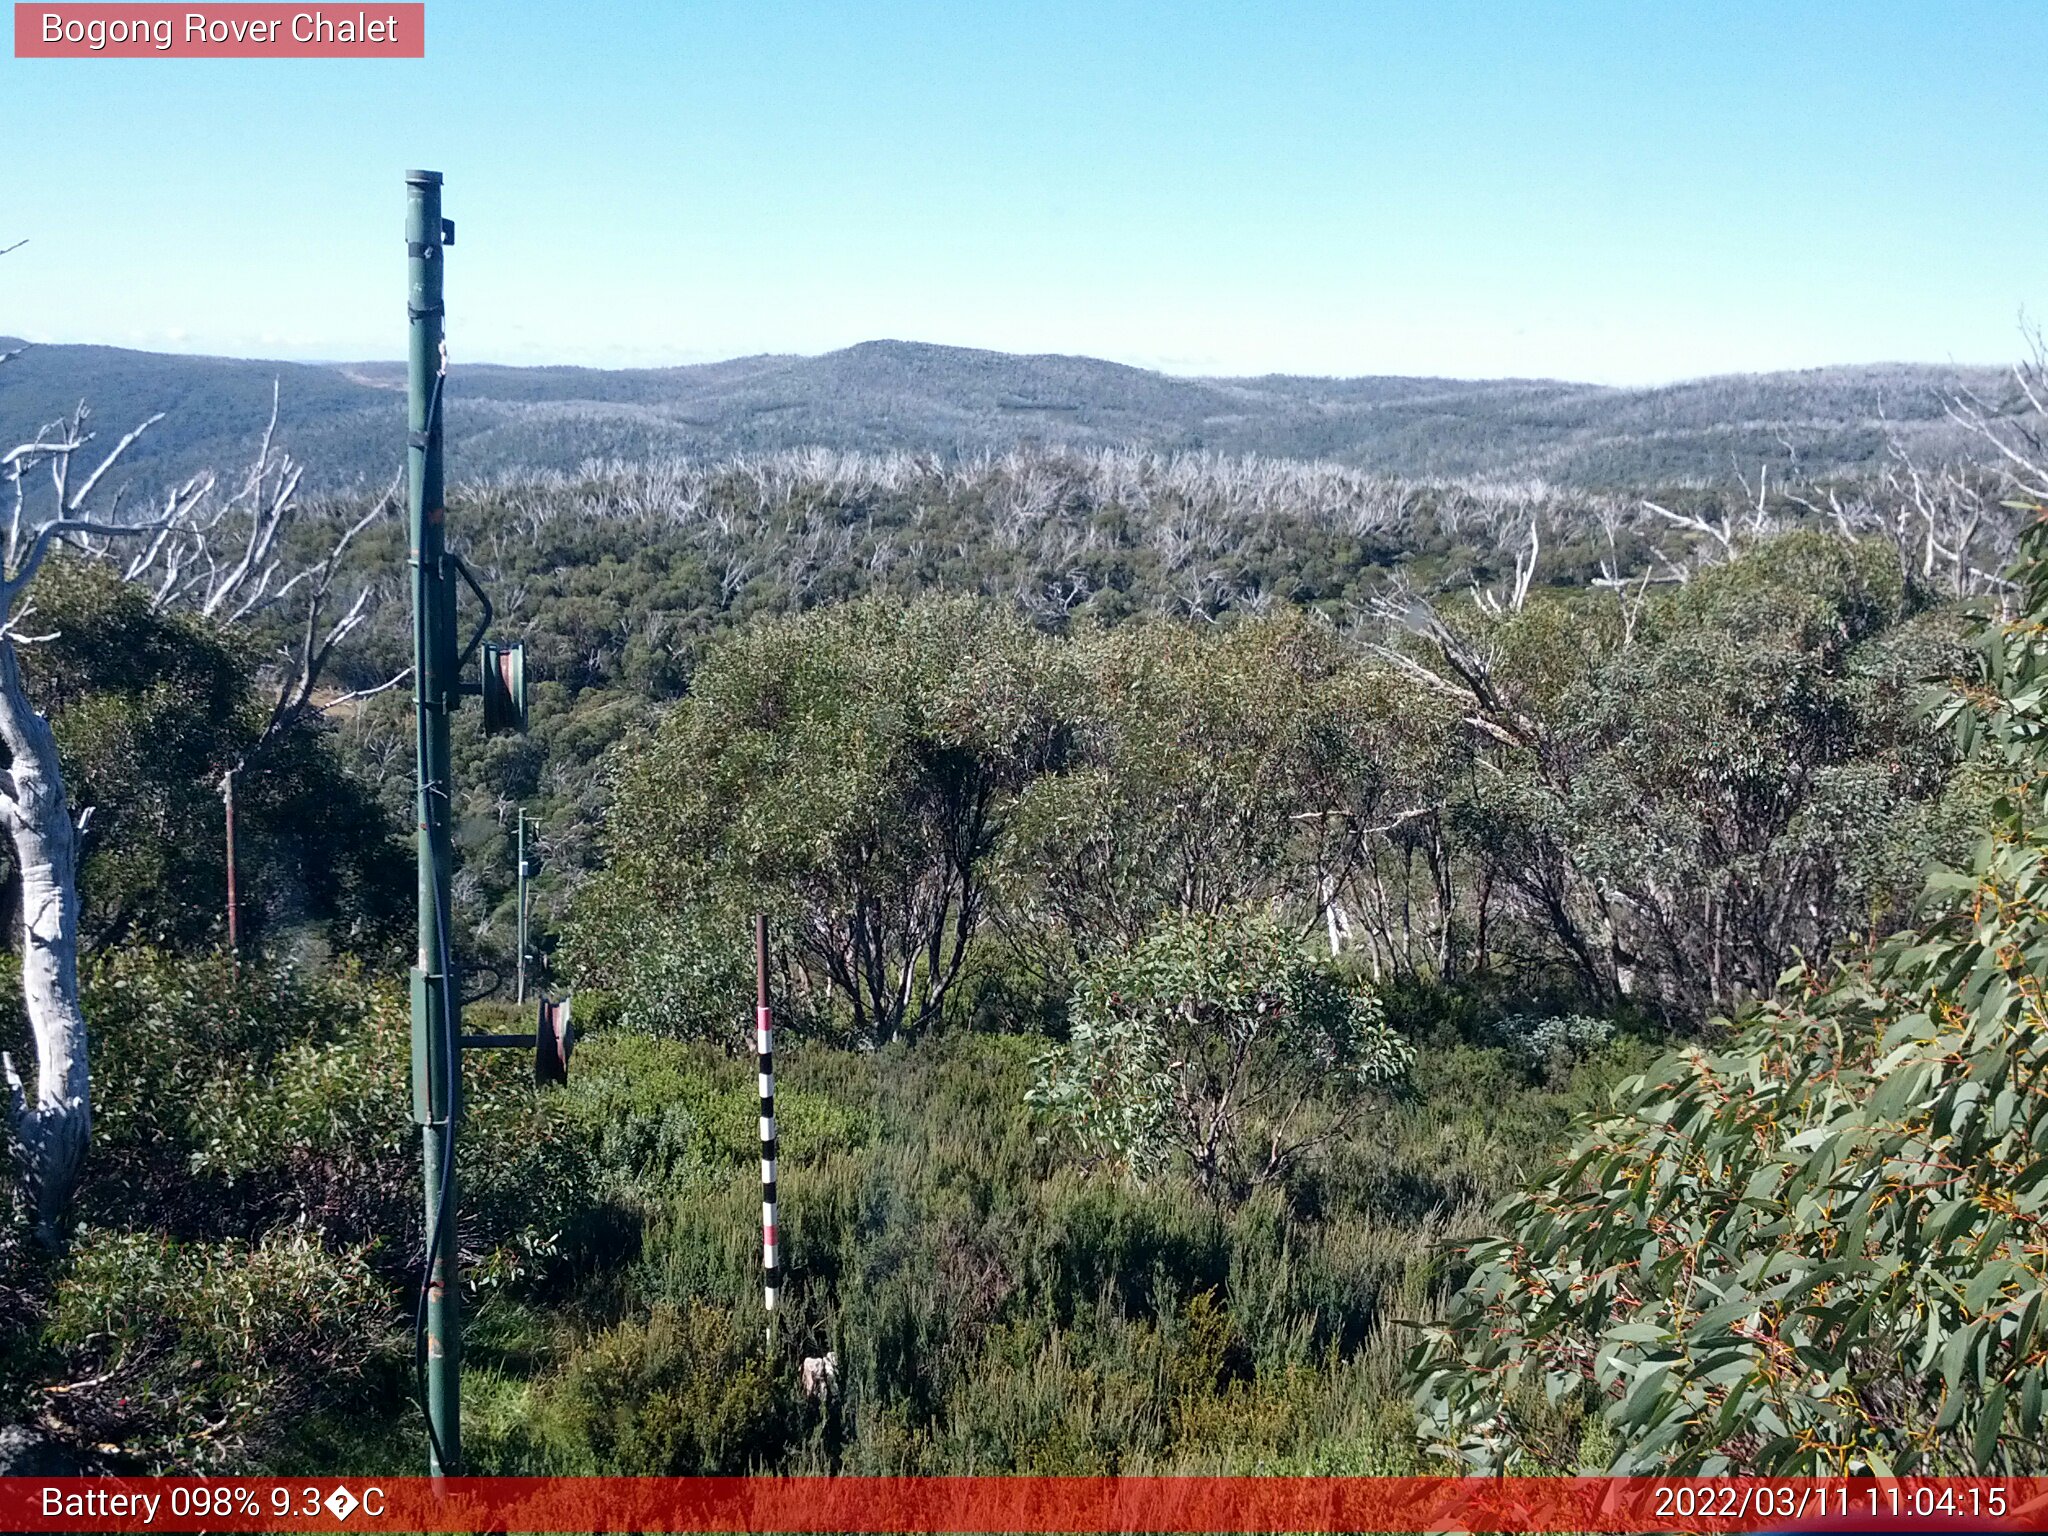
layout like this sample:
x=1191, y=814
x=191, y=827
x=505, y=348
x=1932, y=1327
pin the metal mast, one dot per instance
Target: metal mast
x=436, y=1000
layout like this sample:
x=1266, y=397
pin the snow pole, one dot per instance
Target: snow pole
x=764, y=1047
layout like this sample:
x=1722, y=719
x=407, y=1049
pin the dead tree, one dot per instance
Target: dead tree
x=226, y=558
x=222, y=558
x=50, y=1128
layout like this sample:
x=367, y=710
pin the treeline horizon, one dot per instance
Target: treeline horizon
x=342, y=419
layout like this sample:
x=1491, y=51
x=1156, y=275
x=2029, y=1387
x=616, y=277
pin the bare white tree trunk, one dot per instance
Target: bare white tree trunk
x=216, y=558
x=49, y=1134
x=50, y=1124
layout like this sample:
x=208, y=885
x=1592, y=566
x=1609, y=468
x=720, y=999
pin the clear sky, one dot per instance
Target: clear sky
x=1620, y=192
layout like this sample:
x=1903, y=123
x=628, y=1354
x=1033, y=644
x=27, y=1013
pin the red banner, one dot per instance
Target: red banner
x=1025, y=1504
x=237, y=31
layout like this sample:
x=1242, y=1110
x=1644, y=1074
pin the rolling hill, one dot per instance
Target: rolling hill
x=345, y=421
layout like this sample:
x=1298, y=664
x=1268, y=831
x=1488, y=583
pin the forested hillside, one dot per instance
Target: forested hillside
x=1208, y=895
x=889, y=396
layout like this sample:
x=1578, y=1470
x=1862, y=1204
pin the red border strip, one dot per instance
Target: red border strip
x=354, y=29
x=1025, y=1504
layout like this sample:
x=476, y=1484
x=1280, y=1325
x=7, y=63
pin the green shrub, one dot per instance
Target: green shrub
x=1552, y=1042
x=1220, y=1042
x=169, y=1030
x=674, y=973
x=686, y=1391
x=202, y=1355
x=225, y=1106
x=596, y=1010
x=660, y=1113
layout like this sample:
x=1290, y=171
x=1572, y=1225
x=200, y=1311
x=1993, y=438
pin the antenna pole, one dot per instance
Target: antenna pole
x=436, y=999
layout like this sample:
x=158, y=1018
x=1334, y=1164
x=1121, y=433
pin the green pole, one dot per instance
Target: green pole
x=436, y=1001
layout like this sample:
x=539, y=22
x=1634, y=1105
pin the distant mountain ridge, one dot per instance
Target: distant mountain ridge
x=345, y=420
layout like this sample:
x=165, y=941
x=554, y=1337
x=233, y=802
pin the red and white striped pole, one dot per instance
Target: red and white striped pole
x=764, y=1046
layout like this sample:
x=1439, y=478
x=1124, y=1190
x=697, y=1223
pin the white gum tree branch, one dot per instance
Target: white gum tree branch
x=50, y=1121
x=224, y=558
x=180, y=563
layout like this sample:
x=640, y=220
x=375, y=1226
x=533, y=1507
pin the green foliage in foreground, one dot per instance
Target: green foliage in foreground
x=239, y=1295
x=214, y=1345
x=993, y=1308
x=251, y=1212
x=1821, y=1246
x=687, y=1391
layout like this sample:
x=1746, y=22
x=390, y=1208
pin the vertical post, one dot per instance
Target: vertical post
x=227, y=795
x=436, y=1021
x=520, y=994
x=764, y=1045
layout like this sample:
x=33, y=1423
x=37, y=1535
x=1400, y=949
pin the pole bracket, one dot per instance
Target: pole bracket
x=483, y=624
x=551, y=1043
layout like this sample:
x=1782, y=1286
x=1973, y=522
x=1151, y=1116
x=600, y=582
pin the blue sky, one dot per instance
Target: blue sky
x=1626, y=192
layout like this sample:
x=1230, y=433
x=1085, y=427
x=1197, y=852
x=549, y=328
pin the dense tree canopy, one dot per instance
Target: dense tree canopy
x=1816, y=1246
x=850, y=771
x=150, y=709
x=1660, y=815
x=1741, y=783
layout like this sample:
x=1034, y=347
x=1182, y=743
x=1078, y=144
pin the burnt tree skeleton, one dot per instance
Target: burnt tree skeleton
x=216, y=557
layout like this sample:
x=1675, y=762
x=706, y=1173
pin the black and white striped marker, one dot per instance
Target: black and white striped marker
x=764, y=1047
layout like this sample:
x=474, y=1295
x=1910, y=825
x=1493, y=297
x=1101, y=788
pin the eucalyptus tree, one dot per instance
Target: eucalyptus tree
x=1672, y=805
x=1209, y=768
x=851, y=770
x=222, y=554
x=50, y=1132
x=1817, y=1246
x=1217, y=1041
